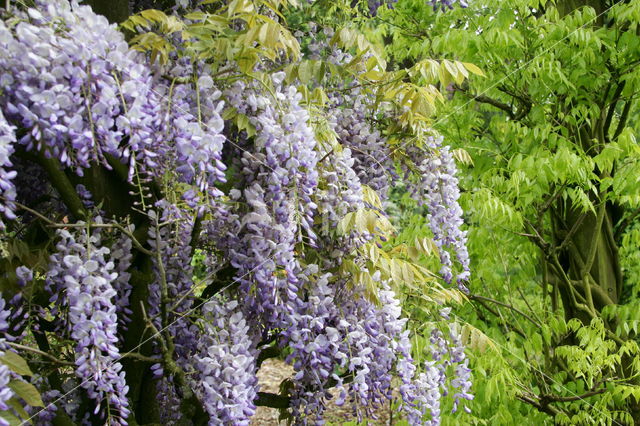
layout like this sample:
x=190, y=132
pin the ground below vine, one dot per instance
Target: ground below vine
x=274, y=371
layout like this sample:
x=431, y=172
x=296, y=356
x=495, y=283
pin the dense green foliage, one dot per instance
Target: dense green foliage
x=551, y=198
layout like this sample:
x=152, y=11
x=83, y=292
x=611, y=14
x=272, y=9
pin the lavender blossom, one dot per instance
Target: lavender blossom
x=461, y=382
x=281, y=177
x=121, y=255
x=7, y=188
x=85, y=103
x=5, y=392
x=438, y=189
x=81, y=270
x=369, y=149
x=226, y=365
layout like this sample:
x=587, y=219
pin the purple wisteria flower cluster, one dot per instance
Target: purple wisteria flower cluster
x=122, y=255
x=226, y=364
x=370, y=150
x=341, y=339
x=7, y=188
x=68, y=95
x=439, y=191
x=461, y=382
x=5, y=391
x=423, y=393
x=82, y=273
x=281, y=178
x=84, y=103
x=195, y=110
x=340, y=193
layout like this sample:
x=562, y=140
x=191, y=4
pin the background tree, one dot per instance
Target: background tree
x=552, y=196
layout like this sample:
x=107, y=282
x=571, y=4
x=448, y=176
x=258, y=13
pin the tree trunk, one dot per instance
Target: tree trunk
x=116, y=11
x=589, y=257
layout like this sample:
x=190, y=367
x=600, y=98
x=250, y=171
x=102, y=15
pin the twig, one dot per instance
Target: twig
x=140, y=357
x=39, y=352
x=506, y=305
x=555, y=398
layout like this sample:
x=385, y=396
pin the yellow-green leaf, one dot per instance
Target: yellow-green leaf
x=473, y=68
x=13, y=420
x=16, y=363
x=17, y=406
x=27, y=391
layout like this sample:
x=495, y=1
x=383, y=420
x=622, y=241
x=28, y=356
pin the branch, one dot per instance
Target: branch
x=591, y=255
x=506, y=305
x=267, y=399
x=572, y=231
x=556, y=398
x=33, y=212
x=537, y=238
x=545, y=408
x=542, y=402
x=552, y=198
x=612, y=107
x=623, y=118
x=39, y=352
x=140, y=357
x=61, y=182
x=526, y=103
x=487, y=100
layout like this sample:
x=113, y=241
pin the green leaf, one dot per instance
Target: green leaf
x=27, y=391
x=16, y=363
x=17, y=406
x=13, y=420
x=473, y=68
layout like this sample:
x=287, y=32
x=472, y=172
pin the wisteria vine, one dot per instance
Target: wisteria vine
x=186, y=218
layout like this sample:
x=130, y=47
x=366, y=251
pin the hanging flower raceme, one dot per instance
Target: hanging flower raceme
x=122, y=256
x=317, y=350
x=461, y=382
x=340, y=336
x=281, y=176
x=82, y=273
x=225, y=366
x=72, y=97
x=439, y=191
x=369, y=148
x=339, y=193
x=194, y=110
x=7, y=188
